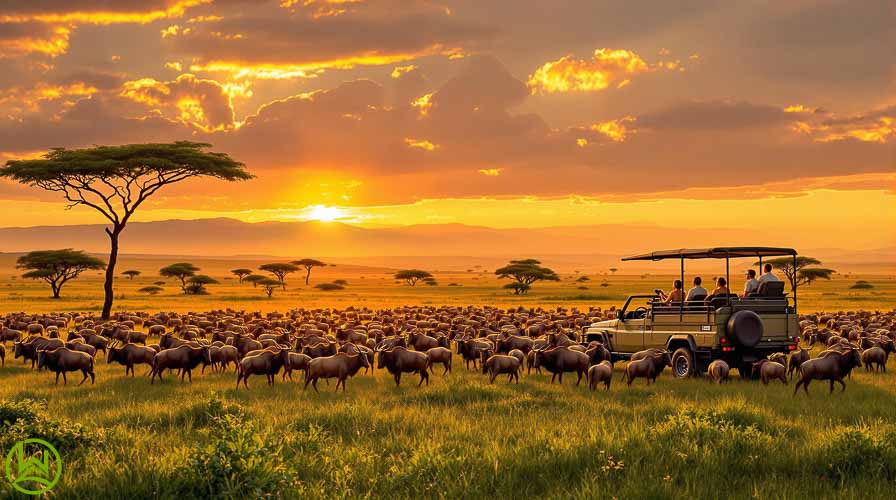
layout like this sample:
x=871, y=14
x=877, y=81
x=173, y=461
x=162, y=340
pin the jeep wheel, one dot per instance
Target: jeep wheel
x=683, y=363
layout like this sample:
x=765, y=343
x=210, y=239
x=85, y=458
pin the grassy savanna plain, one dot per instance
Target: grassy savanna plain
x=458, y=437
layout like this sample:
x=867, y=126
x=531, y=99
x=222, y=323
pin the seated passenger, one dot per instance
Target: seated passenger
x=768, y=275
x=676, y=295
x=698, y=290
x=720, y=291
x=752, y=284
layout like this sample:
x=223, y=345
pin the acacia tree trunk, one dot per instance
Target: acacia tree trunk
x=55, y=289
x=307, y=275
x=110, y=270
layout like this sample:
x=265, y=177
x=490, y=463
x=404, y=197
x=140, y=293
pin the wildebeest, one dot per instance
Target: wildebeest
x=400, y=360
x=61, y=360
x=558, y=360
x=339, y=366
x=831, y=365
x=129, y=355
x=184, y=357
x=267, y=362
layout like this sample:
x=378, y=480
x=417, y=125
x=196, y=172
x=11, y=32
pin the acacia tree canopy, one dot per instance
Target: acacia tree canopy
x=280, y=270
x=116, y=180
x=412, y=276
x=526, y=272
x=309, y=264
x=241, y=273
x=57, y=267
x=181, y=271
x=802, y=274
x=131, y=273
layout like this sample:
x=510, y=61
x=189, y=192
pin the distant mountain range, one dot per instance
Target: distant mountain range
x=445, y=243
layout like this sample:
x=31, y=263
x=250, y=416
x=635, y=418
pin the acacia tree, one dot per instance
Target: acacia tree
x=269, y=285
x=57, y=267
x=802, y=274
x=526, y=272
x=412, y=276
x=241, y=273
x=280, y=270
x=309, y=264
x=255, y=279
x=181, y=271
x=131, y=273
x=116, y=180
x=197, y=284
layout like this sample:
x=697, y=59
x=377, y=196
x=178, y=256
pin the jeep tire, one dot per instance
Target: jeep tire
x=683, y=363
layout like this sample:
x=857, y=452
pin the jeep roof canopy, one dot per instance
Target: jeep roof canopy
x=714, y=253
x=726, y=253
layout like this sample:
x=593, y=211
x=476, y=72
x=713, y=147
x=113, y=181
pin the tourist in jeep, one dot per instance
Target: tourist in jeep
x=676, y=295
x=698, y=292
x=720, y=291
x=768, y=275
x=751, y=286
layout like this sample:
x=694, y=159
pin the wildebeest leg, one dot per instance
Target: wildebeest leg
x=491, y=378
x=843, y=389
x=57, y=378
x=516, y=375
x=238, y=377
x=580, y=378
x=64, y=379
x=832, y=386
x=189, y=375
x=397, y=379
x=85, y=377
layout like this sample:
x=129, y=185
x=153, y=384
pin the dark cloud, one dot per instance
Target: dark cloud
x=714, y=115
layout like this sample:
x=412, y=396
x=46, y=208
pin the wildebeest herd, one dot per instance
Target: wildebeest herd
x=338, y=343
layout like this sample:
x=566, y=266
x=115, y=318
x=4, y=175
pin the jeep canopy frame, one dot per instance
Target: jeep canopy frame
x=726, y=253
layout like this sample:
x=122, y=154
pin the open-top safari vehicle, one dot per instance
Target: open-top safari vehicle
x=739, y=330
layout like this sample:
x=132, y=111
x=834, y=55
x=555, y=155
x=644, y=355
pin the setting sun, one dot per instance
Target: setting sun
x=323, y=213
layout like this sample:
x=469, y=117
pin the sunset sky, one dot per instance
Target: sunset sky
x=503, y=113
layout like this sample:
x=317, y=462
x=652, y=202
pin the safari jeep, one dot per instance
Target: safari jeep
x=739, y=330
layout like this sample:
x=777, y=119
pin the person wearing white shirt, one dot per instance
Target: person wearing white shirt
x=697, y=291
x=768, y=275
x=752, y=284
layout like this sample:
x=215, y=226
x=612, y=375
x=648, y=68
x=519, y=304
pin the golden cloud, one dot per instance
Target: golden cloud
x=51, y=42
x=32, y=99
x=421, y=144
x=568, y=74
x=423, y=103
x=617, y=130
x=239, y=71
x=204, y=104
x=491, y=172
x=106, y=16
x=400, y=70
x=877, y=126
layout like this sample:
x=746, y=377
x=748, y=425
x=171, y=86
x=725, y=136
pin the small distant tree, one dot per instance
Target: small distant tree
x=268, y=285
x=280, y=270
x=329, y=287
x=181, y=271
x=526, y=272
x=342, y=282
x=152, y=290
x=255, y=279
x=131, y=273
x=862, y=285
x=116, y=180
x=802, y=273
x=196, y=284
x=241, y=273
x=613, y=270
x=309, y=264
x=159, y=283
x=57, y=267
x=412, y=276
x=582, y=279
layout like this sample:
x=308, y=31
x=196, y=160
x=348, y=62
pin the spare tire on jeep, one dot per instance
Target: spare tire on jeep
x=746, y=328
